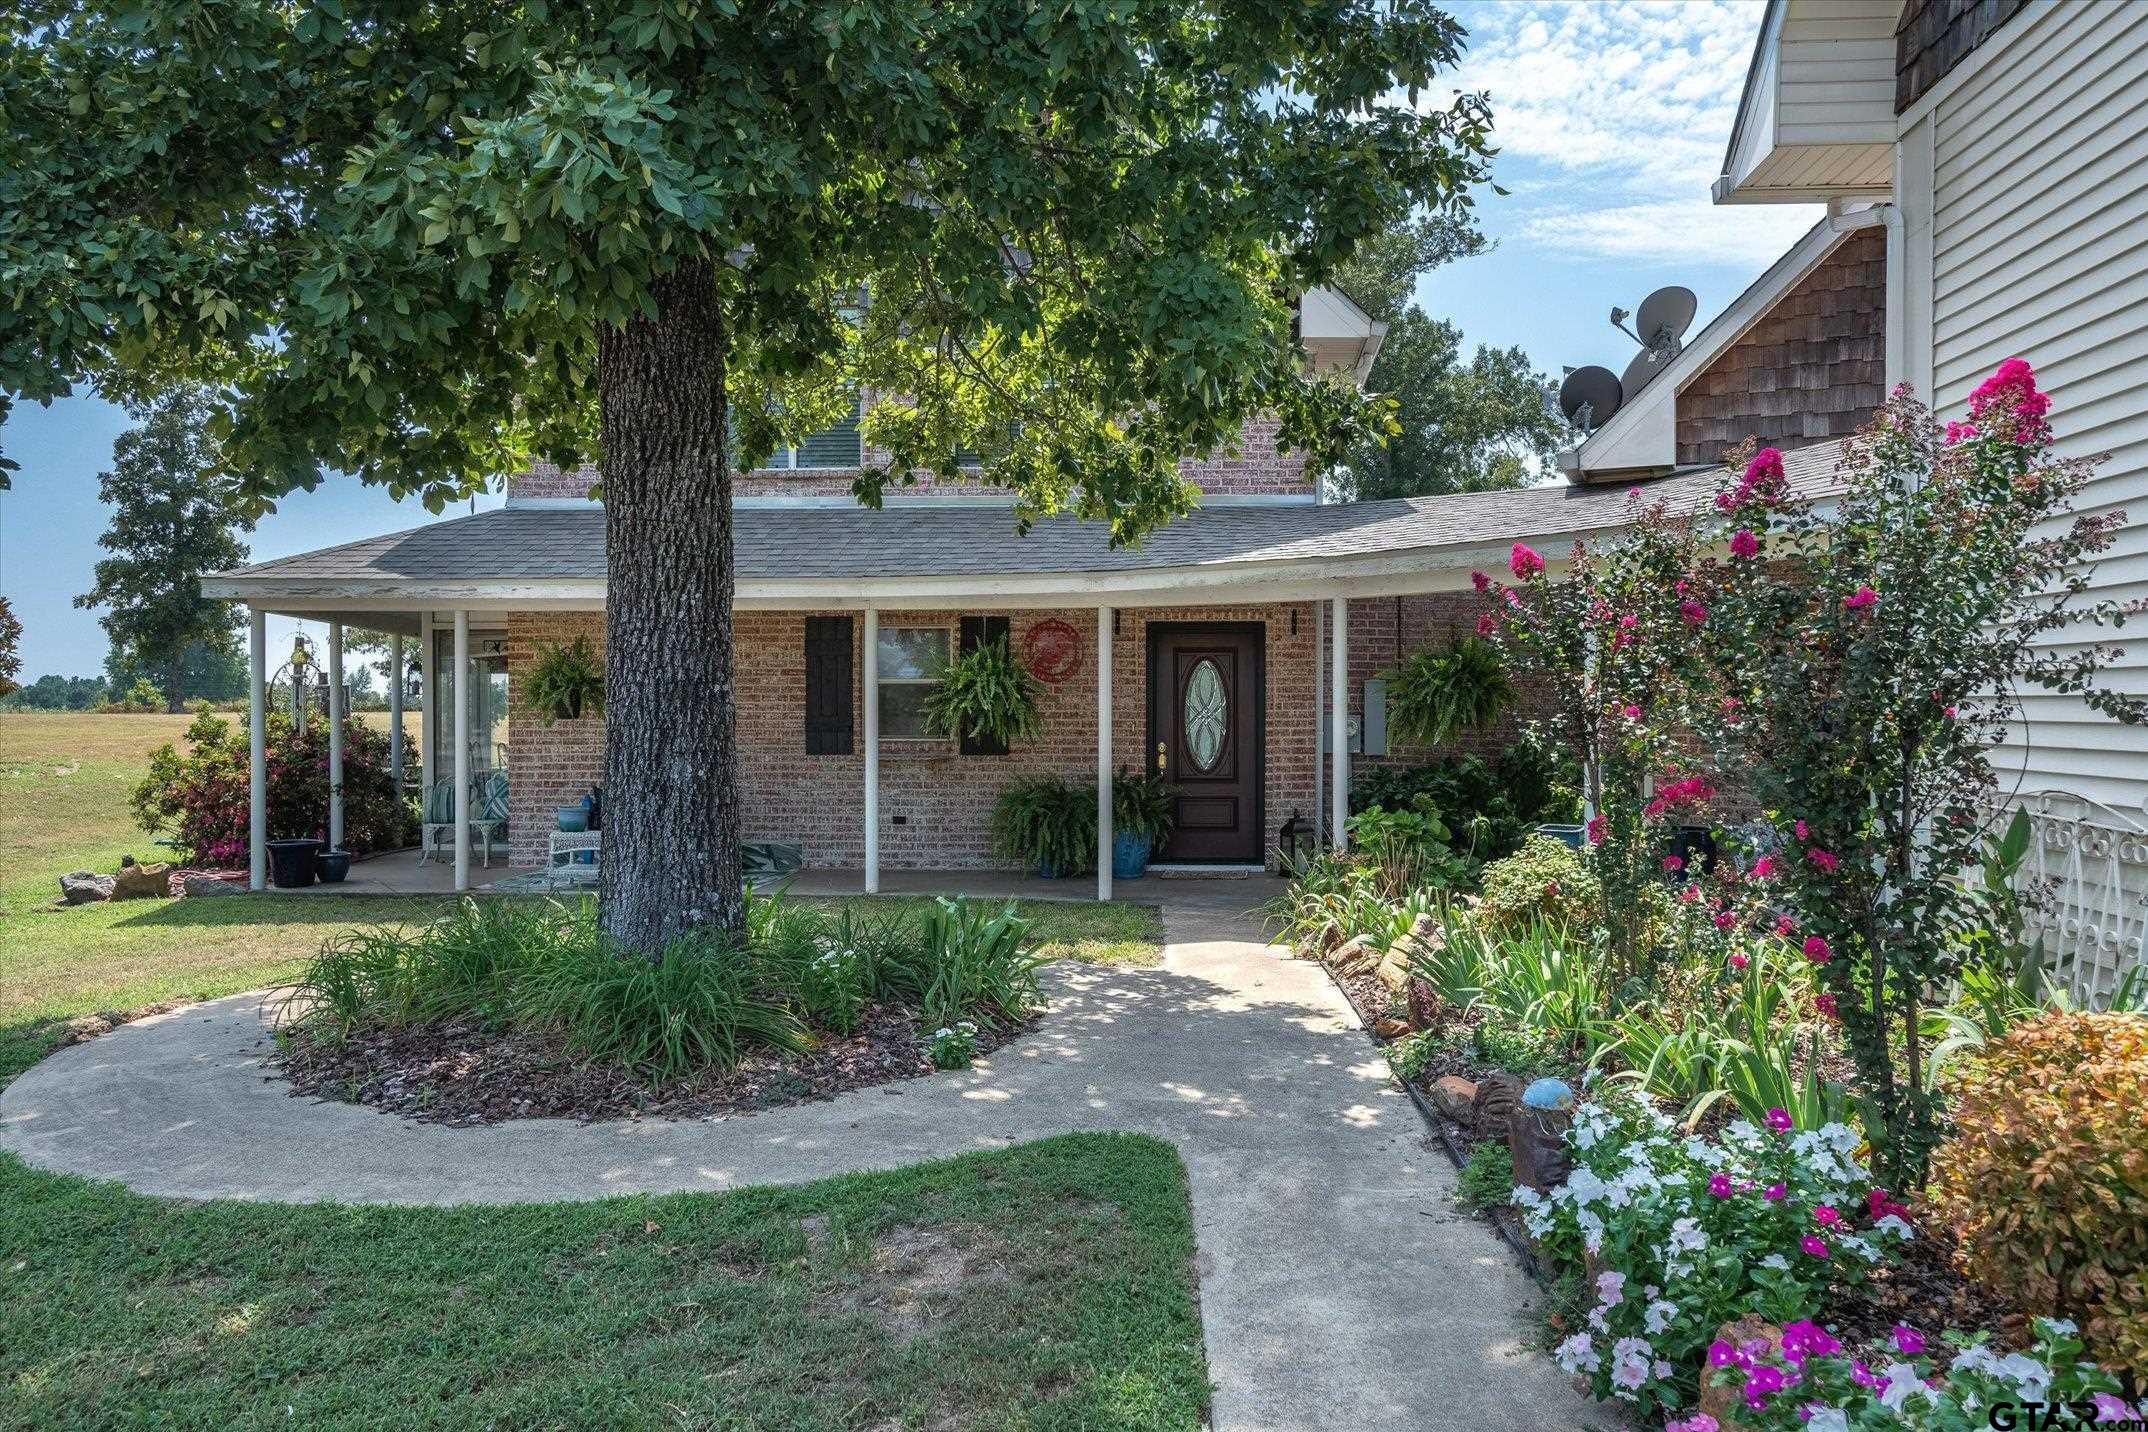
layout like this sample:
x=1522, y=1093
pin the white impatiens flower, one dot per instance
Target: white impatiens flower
x=1828, y=1419
x=1526, y=1197
x=1894, y=1227
x=1775, y=1261
x=1975, y=1358
x=1583, y=1187
x=2058, y=1327
x=1632, y=1360
x=1592, y=1230
x=1742, y=1131
x=1577, y=1354
x=1611, y=1287
x=2031, y=1379
x=1902, y=1384
x=1657, y=1316
x=1859, y=1245
x=1688, y=1236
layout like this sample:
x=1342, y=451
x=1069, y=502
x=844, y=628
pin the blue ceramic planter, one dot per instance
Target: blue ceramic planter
x=1129, y=856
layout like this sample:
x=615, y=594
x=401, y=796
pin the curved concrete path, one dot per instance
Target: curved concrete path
x=1339, y=1286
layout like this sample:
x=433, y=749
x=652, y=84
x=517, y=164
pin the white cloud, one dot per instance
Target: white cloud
x=1614, y=117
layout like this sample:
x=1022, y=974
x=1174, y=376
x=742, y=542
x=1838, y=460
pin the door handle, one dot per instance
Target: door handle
x=1160, y=749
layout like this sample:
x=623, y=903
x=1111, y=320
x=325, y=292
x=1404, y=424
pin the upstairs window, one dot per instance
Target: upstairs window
x=836, y=447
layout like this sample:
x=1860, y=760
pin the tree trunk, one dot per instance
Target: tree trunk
x=174, y=698
x=671, y=828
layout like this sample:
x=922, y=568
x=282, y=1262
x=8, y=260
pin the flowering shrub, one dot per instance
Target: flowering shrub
x=2046, y=1176
x=1689, y=1234
x=1610, y=646
x=1543, y=881
x=837, y=984
x=203, y=797
x=1863, y=660
x=1814, y=1385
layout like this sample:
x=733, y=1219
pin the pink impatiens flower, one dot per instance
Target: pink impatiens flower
x=1775, y=1193
x=1818, y=950
x=1779, y=1120
x=1813, y=1245
x=1858, y=600
x=1907, y=1340
x=1524, y=561
x=1803, y=830
x=1744, y=544
x=1826, y=1216
x=1719, y=1185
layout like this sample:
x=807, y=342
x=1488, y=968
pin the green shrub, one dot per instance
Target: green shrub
x=1143, y=804
x=465, y=964
x=1407, y=849
x=1412, y=1054
x=1489, y=806
x=1487, y=1179
x=2045, y=1178
x=1546, y=880
x=972, y=966
x=1517, y=1048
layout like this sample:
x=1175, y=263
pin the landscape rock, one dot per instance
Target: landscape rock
x=195, y=883
x=1391, y=1028
x=1723, y=1401
x=1454, y=1096
x=1536, y=1140
x=1394, y=970
x=1353, y=956
x=80, y=887
x=141, y=882
x=1424, y=1004
x=1427, y=932
x=1492, y=1111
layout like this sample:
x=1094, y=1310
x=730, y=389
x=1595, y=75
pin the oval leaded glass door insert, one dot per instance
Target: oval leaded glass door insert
x=1205, y=714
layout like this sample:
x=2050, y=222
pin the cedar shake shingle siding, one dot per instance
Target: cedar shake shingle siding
x=1933, y=36
x=1813, y=369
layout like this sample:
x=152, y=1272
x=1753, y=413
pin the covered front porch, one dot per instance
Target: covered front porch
x=833, y=606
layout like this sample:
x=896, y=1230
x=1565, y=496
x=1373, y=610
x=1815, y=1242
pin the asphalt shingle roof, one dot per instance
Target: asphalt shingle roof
x=924, y=540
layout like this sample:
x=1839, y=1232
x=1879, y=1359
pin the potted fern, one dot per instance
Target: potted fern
x=1143, y=809
x=1048, y=824
x=564, y=681
x=1436, y=695
x=987, y=693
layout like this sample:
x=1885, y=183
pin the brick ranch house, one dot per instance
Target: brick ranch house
x=1219, y=637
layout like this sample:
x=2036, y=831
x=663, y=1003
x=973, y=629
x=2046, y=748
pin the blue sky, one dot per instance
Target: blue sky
x=1611, y=119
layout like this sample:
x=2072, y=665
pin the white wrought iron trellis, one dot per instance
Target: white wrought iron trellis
x=2089, y=863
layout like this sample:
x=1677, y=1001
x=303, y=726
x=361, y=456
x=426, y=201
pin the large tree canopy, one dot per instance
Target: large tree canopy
x=425, y=241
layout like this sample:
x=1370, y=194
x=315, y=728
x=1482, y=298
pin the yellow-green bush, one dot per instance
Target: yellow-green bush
x=2046, y=1177
x=1545, y=880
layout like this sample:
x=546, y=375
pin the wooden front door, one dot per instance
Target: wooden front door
x=1207, y=736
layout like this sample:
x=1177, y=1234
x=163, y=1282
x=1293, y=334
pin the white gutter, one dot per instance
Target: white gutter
x=1895, y=329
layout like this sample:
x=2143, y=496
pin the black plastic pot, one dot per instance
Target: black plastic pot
x=1695, y=845
x=294, y=863
x=335, y=864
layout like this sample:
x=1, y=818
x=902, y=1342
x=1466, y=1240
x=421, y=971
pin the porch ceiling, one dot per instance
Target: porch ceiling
x=923, y=554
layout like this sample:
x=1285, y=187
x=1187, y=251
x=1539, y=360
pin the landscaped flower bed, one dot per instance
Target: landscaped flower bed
x=1836, y=1111
x=506, y=1010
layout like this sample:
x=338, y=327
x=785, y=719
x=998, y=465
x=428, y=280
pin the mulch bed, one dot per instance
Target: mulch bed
x=1921, y=1286
x=463, y=1074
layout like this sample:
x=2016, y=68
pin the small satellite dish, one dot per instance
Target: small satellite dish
x=1664, y=318
x=1589, y=396
x=1645, y=365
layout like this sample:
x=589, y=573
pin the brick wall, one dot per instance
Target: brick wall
x=1385, y=630
x=942, y=799
x=1257, y=470
x=1814, y=368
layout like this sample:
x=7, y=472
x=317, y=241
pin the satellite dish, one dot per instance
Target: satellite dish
x=1645, y=365
x=1589, y=396
x=1664, y=318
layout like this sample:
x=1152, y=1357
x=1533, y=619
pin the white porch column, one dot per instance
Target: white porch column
x=335, y=735
x=395, y=711
x=1103, y=753
x=871, y=681
x=1320, y=719
x=1339, y=717
x=428, y=758
x=462, y=749
x=257, y=734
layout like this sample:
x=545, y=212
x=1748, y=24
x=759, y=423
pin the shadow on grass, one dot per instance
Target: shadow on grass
x=287, y=910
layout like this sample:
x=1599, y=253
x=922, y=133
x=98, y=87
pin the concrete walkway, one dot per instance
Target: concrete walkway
x=1339, y=1286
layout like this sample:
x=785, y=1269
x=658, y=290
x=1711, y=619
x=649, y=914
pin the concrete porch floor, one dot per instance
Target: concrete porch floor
x=401, y=872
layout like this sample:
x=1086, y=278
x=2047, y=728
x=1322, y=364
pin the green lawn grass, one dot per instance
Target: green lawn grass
x=1047, y=1286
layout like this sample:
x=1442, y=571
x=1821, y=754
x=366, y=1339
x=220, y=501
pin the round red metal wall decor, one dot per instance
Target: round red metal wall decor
x=1051, y=650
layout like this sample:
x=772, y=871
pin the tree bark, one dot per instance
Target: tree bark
x=174, y=698
x=671, y=826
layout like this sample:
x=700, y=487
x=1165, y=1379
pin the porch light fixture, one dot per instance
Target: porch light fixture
x=1297, y=843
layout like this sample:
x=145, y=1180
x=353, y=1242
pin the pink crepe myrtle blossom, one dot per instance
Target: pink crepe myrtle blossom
x=1480, y=581
x=1673, y=864
x=1959, y=432
x=1825, y=1004
x=1825, y=859
x=1949, y=713
x=1524, y=561
x=1785, y=926
x=1487, y=623
x=1631, y=713
x=1598, y=827
x=1803, y=830
x=1693, y=611
x=1763, y=867
x=2011, y=392
x=1858, y=600
x=1744, y=544
x=1818, y=950
x=1724, y=919
x=1690, y=894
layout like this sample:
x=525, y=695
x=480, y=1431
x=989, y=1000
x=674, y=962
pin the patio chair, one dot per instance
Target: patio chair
x=488, y=815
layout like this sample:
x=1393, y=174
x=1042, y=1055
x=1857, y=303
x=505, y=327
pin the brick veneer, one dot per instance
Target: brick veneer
x=1813, y=368
x=943, y=798
x=1257, y=470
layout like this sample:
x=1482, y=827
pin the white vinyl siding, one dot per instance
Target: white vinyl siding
x=2040, y=248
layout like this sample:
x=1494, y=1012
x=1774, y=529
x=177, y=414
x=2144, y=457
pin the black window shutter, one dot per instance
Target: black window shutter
x=827, y=686
x=976, y=631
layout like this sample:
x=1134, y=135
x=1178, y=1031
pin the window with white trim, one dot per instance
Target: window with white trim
x=910, y=662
